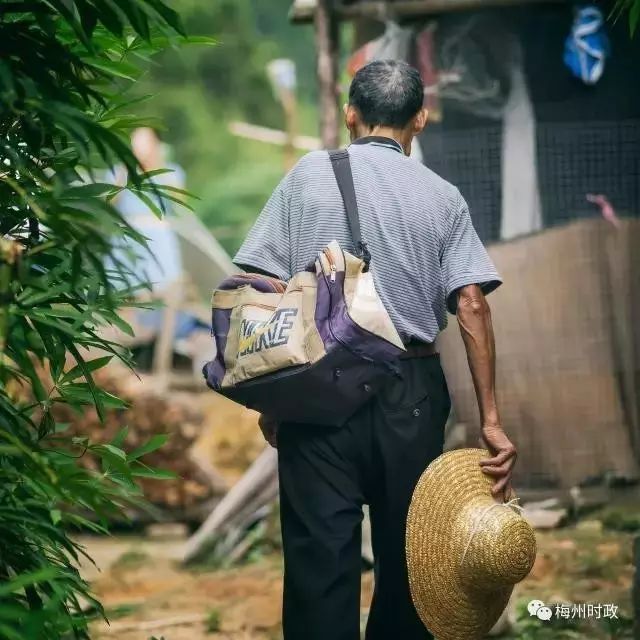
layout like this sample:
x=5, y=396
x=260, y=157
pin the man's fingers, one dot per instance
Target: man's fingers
x=499, y=486
x=491, y=462
x=500, y=458
x=508, y=491
x=497, y=472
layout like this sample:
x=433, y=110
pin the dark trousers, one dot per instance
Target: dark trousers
x=326, y=475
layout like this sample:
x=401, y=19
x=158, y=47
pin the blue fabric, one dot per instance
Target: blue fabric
x=587, y=46
x=186, y=324
x=161, y=265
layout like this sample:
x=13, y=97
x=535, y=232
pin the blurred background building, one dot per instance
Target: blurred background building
x=533, y=115
x=534, y=118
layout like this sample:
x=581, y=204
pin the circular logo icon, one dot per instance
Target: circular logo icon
x=544, y=613
x=533, y=607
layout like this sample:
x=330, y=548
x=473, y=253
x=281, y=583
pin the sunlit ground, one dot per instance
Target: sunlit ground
x=147, y=594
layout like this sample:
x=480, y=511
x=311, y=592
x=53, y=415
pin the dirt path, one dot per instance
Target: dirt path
x=141, y=585
x=146, y=594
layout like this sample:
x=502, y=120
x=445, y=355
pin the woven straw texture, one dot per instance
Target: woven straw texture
x=465, y=551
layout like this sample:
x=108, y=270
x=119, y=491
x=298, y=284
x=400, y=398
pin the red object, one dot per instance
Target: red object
x=360, y=57
x=606, y=208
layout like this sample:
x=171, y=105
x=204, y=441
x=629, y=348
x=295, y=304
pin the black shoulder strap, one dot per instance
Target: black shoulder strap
x=342, y=170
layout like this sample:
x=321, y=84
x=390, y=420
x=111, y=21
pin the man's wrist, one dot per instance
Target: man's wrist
x=491, y=422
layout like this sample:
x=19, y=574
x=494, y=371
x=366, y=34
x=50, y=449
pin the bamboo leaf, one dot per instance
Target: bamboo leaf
x=154, y=474
x=153, y=444
x=91, y=365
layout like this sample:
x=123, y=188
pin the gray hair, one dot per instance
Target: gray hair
x=387, y=93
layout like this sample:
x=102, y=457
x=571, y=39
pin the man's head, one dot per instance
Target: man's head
x=147, y=148
x=386, y=98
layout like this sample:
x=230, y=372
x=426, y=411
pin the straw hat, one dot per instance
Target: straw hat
x=465, y=551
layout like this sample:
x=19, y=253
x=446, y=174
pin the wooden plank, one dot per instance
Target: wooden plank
x=272, y=136
x=305, y=11
x=258, y=486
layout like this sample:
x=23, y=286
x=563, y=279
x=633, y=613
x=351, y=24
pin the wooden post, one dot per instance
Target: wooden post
x=163, y=353
x=291, y=117
x=328, y=50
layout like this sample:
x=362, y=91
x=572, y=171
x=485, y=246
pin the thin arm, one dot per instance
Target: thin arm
x=476, y=328
x=474, y=319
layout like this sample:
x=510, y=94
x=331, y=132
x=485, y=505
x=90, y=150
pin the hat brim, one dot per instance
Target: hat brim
x=438, y=517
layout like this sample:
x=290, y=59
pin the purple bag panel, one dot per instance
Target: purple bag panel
x=335, y=325
x=214, y=371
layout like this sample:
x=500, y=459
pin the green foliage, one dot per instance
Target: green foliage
x=619, y=627
x=632, y=9
x=132, y=559
x=621, y=519
x=531, y=628
x=64, y=111
x=203, y=89
x=592, y=564
x=123, y=610
x=212, y=623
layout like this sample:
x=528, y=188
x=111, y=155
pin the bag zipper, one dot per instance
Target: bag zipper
x=332, y=265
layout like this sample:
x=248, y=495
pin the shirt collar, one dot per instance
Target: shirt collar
x=380, y=141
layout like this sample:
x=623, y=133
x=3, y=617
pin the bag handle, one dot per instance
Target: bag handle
x=342, y=170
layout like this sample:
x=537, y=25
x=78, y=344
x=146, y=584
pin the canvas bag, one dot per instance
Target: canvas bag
x=312, y=350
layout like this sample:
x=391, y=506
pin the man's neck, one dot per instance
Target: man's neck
x=401, y=136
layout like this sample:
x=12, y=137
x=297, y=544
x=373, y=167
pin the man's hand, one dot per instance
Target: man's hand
x=269, y=428
x=500, y=465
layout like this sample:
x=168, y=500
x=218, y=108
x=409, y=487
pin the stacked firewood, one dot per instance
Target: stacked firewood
x=153, y=410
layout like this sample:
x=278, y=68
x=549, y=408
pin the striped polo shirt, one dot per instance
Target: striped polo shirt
x=416, y=225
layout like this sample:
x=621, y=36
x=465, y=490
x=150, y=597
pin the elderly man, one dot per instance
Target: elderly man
x=427, y=259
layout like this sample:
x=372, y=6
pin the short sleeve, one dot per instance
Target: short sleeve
x=464, y=259
x=267, y=246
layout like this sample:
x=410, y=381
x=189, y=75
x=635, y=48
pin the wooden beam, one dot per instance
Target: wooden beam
x=381, y=10
x=271, y=136
x=328, y=51
x=406, y=8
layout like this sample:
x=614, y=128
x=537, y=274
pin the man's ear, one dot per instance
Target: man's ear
x=350, y=117
x=420, y=121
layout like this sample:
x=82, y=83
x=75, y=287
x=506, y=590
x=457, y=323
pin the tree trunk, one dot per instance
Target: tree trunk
x=328, y=50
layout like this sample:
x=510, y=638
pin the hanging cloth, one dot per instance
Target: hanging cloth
x=521, y=210
x=587, y=46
